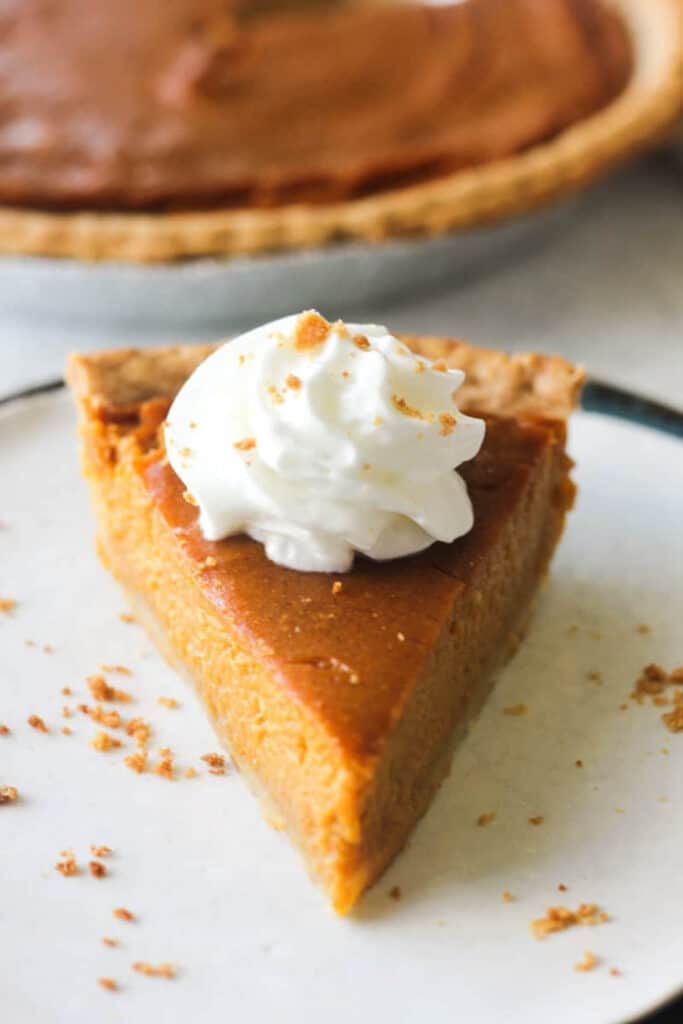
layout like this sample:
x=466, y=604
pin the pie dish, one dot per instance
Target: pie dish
x=498, y=161
x=339, y=704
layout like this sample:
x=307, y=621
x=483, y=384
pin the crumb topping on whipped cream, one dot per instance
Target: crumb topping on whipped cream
x=321, y=440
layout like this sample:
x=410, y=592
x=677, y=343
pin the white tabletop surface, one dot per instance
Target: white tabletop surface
x=606, y=291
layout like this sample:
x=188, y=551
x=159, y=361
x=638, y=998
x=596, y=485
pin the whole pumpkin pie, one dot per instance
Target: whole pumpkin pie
x=339, y=696
x=179, y=128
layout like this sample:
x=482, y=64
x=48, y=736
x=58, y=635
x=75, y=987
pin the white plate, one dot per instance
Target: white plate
x=225, y=898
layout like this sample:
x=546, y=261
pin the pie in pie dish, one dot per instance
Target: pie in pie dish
x=198, y=131
x=339, y=700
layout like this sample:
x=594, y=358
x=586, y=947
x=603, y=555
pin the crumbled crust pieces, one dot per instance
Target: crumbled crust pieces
x=557, y=919
x=102, y=741
x=101, y=690
x=152, y=971
x=8, y=794
x=123, y=915
x=100, y=851
x=36, y=722
x=108, y=983
x=97, y=869
x=168, y=702
x=311, y=331
x=216, y=763
x=4, y=729
x=587, y=962
x=137, y=761
x=165, y=768
x=140, y=730
x=485, y=818
x=7, y=604
x=68, y=866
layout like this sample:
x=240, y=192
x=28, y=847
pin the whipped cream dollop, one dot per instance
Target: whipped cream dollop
x=321, y=440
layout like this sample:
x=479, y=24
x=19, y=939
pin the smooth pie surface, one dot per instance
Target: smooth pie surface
x=175, y=104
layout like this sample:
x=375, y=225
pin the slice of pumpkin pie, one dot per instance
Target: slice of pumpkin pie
x=285, y=515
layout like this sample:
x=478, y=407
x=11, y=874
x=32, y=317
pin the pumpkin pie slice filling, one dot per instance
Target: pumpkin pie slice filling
x=339, y=697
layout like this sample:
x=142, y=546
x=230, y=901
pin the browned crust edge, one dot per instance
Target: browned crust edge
x=640, y=115
x=526, y=384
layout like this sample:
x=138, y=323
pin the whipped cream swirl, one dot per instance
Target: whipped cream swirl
x=321, y=440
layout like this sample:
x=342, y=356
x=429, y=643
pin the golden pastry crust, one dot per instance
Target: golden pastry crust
x=526, y=384
x=483, y=195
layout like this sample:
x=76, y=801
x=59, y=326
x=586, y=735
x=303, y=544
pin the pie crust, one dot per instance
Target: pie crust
x=482, y=195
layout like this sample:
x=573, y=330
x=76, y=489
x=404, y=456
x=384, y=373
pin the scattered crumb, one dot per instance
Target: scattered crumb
x=161, y=971
x=562, y=887
x=67, y=691
x=36, y=722
x=660, y=701
x=572, y=630
x=595, y=677
x=578, y=763
x=101, y=851
x=8, y=794
x=216, y=763
x=337, y=587
x=168, y=702
x=673, y=720
x=66, y=712
x=137, y=762
x=127, y=617
x=102, y=741
x=615, y=972
x=537, y=819
x=109, y=983
x=123, y=914
x=66, y=731
x=101, y=690
x=107, y=941
x=164, y=767
x=121, y=670
x=4, y=729
x=190, y=772
x=643, y=629
x=619, y=810
x=97, y=869
x=68, y=865
x=140, y=729
x=587, y=962
x=557, y=919
x=29, y=643
x=676, y=676
x=395, y=893
x=112, y=718
x=247, y=444
x=515, y=710
x=7, y=604
x=508, y=897
x=48, y=649
x=485, y=818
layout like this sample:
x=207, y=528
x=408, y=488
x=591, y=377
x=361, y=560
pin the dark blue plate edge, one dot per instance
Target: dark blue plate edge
x=597, y=397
